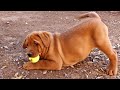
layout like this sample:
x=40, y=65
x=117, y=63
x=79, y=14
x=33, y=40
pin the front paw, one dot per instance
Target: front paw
x=112, y=71
x=28, y=66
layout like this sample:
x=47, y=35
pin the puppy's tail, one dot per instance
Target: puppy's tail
x=89, y=15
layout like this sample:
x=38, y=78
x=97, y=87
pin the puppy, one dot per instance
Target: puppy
x=70, y=47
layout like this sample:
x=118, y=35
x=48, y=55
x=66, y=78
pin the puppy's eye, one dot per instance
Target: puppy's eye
x=36, y=43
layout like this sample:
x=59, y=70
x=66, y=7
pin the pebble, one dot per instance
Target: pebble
x=99, y=77
x=72, y=66
x=66, y=75
x=90, y=62
x=96, y=57
x=26, y=23
x=35, y=73
x=66, y=17
x=7, y=22
x=113, y=47
x=45, y=71
x=86, y=75
x=6, y=47
x=61, y=18
x=118, y=45
x=118, y=77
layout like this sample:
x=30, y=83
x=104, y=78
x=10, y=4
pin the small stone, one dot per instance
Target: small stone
x=61, y=18
x=102, y=69
x=66, y=17
x=113, y=47
x=35, y=73
x=16, y=74
x=75, y=19
x=96, y=57
x=99, y=77
x=50, y=71
x=26, y=23
x=45, y=71
x=6, y=47
x=96, y=69
x=72, y=66
x=22, y=72
x=7, y=22
x=107, y=59
x=18, y=63
x=86, y=75
x=65, y=75
x=118, y=45
x=90, y=62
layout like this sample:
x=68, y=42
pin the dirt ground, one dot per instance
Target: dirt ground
x=15, y=25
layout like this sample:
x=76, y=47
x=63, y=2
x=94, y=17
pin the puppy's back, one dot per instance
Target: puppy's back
x=89, y=15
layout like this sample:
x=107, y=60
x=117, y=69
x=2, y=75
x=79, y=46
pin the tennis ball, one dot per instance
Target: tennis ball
x=34, y=59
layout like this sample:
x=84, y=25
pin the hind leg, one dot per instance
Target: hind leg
x=105, y=46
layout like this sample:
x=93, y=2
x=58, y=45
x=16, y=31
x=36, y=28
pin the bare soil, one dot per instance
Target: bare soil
x=15, y=25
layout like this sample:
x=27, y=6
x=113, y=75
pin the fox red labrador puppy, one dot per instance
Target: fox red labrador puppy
x=68, y=48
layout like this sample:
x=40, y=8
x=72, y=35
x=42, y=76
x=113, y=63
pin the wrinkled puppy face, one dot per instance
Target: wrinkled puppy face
x=35, y=42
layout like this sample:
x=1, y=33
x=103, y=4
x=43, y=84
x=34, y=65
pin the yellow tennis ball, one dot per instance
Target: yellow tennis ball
x=34, y=59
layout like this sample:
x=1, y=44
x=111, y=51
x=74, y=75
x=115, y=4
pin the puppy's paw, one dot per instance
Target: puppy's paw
x=112, y=71
x=28, y=66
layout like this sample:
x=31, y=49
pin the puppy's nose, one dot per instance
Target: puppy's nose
x=29, y=54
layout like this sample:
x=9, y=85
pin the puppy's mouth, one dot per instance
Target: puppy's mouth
x=32, y=56
x=34, y=59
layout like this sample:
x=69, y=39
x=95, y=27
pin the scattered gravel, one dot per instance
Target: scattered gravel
x=15, y=25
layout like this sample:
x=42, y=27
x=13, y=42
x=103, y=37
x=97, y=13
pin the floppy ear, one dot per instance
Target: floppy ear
x=44, y=36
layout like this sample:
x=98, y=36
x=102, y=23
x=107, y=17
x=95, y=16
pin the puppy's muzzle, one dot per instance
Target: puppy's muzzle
x=30, y=54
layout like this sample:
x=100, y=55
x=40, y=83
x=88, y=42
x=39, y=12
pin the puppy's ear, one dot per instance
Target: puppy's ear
x=44, y=36
x=24, y=44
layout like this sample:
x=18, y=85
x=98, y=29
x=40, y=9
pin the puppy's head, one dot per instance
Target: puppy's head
x=35, y=42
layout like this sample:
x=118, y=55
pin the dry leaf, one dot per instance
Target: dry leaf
x=72, y=66
x=3, y=67
x=16, y=76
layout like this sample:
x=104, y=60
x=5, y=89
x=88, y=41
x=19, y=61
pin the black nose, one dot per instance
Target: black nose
x=29, y=54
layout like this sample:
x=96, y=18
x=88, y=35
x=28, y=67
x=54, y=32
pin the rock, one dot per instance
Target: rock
x=45, y=71
x=99, y=77
x=7, y=22
x=86, y=75
x=35, y=73
x=26, y=23
x=66, y=75
x=72, y=66
x=114, y=47
x=118, y=77
x=90, y=62
x=66, y=17
x=118, y=45
x=97, y=57
x=61, y=18
x=6, y=47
